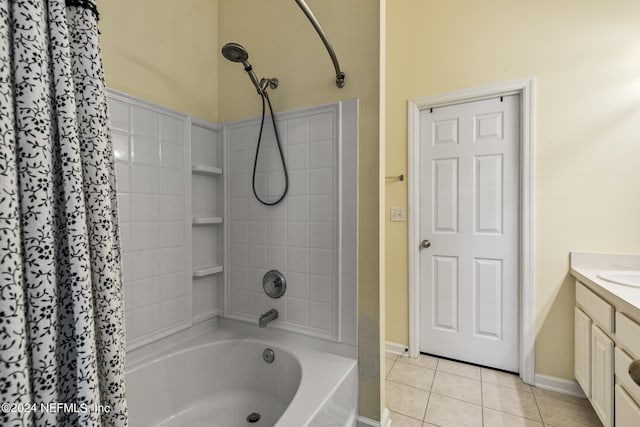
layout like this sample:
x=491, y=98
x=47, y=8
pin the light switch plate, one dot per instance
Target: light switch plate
x=397, y=214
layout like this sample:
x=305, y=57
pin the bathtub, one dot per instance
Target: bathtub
x=220, y=378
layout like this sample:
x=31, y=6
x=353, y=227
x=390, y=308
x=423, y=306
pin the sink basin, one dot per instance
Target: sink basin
x=628, y=278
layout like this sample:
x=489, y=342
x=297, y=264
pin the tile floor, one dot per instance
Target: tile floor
x=428, y=391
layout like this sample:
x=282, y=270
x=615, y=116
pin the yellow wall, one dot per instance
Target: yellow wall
x=282, y=43
x=163, y=51
x=586, y=59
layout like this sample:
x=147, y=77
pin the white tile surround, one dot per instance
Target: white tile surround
x=301, y=236
x=174, y=221
x=152, y=176
x=207, y=195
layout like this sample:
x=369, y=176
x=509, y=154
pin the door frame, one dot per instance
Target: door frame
x=524, y=88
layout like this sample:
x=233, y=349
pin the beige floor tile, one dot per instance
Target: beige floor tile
x=399, y=420
x=412, y=375
x=405, y=400
x=559, y=413
x=456, y=393
x=388, y=364
x=457, y=387
x=422, y=360
x=515, y=402
x=458, y=368
x=389, y=355
x=560, y=396
x=493, y=418
x=504, y=379
x=447, y=412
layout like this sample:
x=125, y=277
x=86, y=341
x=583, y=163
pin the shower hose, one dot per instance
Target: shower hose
x=265, y=96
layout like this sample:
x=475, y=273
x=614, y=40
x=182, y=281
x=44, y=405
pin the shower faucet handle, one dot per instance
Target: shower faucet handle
x=274, y=284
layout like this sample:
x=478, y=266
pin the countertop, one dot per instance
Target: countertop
x=586, y=267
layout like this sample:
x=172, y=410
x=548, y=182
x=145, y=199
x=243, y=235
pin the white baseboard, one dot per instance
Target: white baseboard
x=559, y=385
x=368, y=422
x=395, y=348
x=386, y=418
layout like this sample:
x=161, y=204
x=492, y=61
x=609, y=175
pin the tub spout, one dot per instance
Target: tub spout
x=268, y=317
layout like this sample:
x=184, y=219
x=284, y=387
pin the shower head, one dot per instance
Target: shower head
x=235, y=52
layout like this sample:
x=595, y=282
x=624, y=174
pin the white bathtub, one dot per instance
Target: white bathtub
x=220, y=377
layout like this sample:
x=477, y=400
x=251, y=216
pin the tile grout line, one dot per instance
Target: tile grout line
x=409, y=385
x=386, y=375
x=482, y=397
x=464, y=401
x=519, y=415
x=435, y=370
x=530, y=389
x=535, y=399
x=392, y=365
x=395, y=359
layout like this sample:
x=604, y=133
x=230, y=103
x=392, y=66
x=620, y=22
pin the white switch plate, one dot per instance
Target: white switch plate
x=397, y=214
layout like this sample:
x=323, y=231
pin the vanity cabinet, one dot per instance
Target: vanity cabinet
x=627, y=412
x=602, y=375
x=606, y=342
x=627, y=392
x=582, y=352
x=594, y=351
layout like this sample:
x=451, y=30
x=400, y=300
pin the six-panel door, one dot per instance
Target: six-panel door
x=469, y=185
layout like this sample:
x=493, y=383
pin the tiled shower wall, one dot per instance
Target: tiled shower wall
x=305, y=236
x=311, y=236
x=151, y=177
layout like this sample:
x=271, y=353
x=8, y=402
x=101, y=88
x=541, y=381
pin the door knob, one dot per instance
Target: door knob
x=634, y=371
x=425, y=244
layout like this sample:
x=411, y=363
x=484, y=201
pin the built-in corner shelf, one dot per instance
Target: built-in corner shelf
x=207, y=220
x=207, y=271
x=206, y=170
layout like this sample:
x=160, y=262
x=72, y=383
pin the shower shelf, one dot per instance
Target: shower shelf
x=207, y=271
x=206, y=170
x=207, y=220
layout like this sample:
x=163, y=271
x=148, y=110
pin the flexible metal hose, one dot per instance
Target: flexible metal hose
x=265, y=96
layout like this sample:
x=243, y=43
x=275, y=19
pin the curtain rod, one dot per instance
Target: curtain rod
x=340, y=76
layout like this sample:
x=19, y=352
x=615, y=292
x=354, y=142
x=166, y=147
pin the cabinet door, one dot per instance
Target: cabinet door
x=602, y=375
x=627, y=412
x=582, y=335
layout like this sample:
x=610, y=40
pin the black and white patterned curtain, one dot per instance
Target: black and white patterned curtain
x=61, y=305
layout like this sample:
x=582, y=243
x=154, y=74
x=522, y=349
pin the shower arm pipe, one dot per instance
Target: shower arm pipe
x=340, y=77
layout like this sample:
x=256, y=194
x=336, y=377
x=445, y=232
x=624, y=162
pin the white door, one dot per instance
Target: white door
x=469, y=183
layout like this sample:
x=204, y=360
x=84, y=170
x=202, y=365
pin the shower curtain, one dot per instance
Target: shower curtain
x=61, y=305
